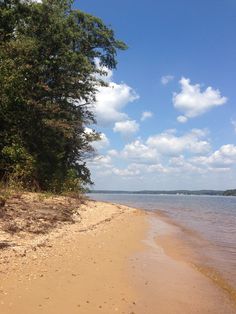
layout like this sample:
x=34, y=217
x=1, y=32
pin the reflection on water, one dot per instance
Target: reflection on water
x=213, y=218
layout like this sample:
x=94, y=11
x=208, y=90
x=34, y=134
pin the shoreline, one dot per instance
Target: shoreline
x=108, y=261
x=175, y=286
x=193, y=249
x=180, y=245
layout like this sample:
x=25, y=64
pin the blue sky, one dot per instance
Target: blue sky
x=180, y=69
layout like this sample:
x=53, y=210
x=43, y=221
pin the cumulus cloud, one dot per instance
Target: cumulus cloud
x=113, y=153
x=182, y=119
x=146, y=115
x=101, y=161
x=157, y=168
x=130, y=171
x=223, y=157
x=138, y=151
x=219, y=161
x=165, y=155
x=168, y=143
x=111, y=100
x=193, y=102
x=126, y=128
x=166, y=79
x=139, y=169
x=181, y=165
x=100, y=144
x=164, y=145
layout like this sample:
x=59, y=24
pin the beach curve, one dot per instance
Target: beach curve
x=107, y=262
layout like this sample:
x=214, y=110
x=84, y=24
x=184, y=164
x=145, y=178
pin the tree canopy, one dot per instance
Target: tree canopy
x=48, y=82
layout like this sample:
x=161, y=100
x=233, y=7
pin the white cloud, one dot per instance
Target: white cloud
x=101, y=165
x=146, y=115
x=178, y=167
x=225, y=156
x=193, y=102
x=181, y=165
x=167, y=143
x=139, y=152
x=182, y=119
x=157, y=168
x=100, y=144
x=166, y=79
x=113, y=153
x=130, y=171
x=111, y=100
x=88, y=130
x=126, y=128
x=162, y=146
x=100, y=162
x=219, y=161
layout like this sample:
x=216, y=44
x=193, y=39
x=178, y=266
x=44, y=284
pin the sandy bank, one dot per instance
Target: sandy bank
x=105, y=262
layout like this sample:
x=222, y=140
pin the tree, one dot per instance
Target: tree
x=48, y=83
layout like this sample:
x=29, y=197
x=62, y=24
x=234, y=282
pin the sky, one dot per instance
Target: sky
x=168, y=118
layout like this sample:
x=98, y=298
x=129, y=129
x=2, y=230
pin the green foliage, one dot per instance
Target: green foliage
x=72, y=182
x=48, y=82
x=20, y=164
x=230, y=192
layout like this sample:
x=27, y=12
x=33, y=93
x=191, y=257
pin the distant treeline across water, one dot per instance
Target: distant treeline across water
x=172, y=192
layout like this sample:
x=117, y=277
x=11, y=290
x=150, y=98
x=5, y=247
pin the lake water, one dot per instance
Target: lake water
x=211, y=221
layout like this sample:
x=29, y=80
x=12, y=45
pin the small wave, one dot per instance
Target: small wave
x=217, y=278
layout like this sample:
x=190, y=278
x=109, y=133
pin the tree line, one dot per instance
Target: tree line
x=48, y=82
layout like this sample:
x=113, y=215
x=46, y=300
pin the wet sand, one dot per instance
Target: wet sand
x=169, y=283
x=108, y=262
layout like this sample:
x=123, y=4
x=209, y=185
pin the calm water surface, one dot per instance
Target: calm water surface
x=212, y=218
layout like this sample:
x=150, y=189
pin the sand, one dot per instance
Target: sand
x=106, y=262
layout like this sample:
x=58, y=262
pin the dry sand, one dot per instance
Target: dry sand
x=106, y=262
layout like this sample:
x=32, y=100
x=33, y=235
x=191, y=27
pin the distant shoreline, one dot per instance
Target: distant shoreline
x=171, y=192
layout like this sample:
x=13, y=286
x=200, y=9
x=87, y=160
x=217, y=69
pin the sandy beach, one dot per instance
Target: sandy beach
x=112, y=259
